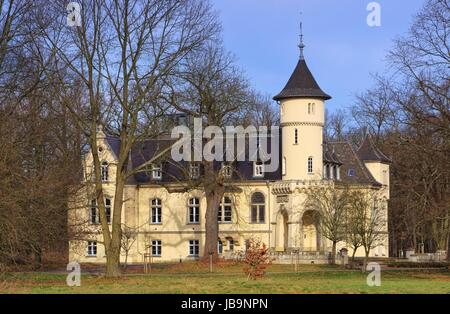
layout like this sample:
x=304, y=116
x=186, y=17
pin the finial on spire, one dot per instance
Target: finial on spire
x=301, y=45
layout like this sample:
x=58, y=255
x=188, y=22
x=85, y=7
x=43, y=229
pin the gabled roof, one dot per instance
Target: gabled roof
x=351, y=163
x=302, y=84
x=369, y=152
x=340, y=153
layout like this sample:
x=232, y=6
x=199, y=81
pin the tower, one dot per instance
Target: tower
x=302, y=116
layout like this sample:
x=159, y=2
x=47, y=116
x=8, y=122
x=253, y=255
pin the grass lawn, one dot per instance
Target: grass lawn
x=229, y=279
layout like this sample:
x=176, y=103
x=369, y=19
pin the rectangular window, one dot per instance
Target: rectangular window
x=156, y=171
x=195, y=171
x=104, y=171
x=258, y=169
x=156, y=211
x=227, y=170
x=254, y=214
x=108, y=210
x=283, y=166
x=310, y=165
x=225, y=210
x=296, y=136
x=93, y=213
x=156, y=247
x=194, y=248
x=92, y=248
x=194, y=211
x=230, y=244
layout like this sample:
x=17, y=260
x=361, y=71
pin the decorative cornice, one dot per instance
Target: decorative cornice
x=301, y=123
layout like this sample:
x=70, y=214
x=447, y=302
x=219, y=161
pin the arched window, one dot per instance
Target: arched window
x=296, y=136
x=225, y=210
x=156, y=209
x=258, y=208
x=194, y=210
x=335, y=172
x=310, y=165
x=309, y=108
x=105, y=171
x=313, y=108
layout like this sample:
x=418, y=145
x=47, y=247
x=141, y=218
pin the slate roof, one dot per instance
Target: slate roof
x=353, y=170
x=302, y=84
x=369, y=152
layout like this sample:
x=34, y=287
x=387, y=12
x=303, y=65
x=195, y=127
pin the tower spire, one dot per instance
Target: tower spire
x=301, y=44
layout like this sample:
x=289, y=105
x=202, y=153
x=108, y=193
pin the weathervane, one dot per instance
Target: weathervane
x=301, y=45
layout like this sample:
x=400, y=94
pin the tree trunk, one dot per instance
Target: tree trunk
x=354, y=253
x=448, y=247
x=214, y=190
x=333, y=253
x=366, y=259
x=213, y=198
x=113, y=253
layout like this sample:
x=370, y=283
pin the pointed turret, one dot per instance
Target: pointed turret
x=369, y=152
x=302, y=85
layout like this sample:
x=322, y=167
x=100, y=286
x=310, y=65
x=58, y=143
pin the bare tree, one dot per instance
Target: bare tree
x=330, y=203
x=336, y=125
x=128, y=239
x=122, y=53
x=213, y=90
x=369, y=219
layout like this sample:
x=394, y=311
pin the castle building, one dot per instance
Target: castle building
x=168, y=221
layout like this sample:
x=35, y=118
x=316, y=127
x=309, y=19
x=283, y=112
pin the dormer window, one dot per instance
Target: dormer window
x=104, y=171
x=227, y=170
x=258, y=169
x=327, y=171
x=195, y=171
x=157, y=171
x=351, y=172
x=335, y=167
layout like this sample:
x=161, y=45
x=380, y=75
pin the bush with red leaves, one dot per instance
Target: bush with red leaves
x=256, y=259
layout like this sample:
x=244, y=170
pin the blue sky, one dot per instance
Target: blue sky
x=341, y=49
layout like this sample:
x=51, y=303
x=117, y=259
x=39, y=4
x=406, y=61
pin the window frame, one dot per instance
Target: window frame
x=194, y=248
x=92, y=249
x=257, y=208
x=227, y=170
x=156, y=211
x=224, y=208
x=156, y=170
x=310, y=165
x=194, y=174
x=194, y=206
x=104, y=171
x=156, y=248
x=93, y=209
x=258, y=169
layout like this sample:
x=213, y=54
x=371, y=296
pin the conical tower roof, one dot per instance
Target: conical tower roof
x=302, y=85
